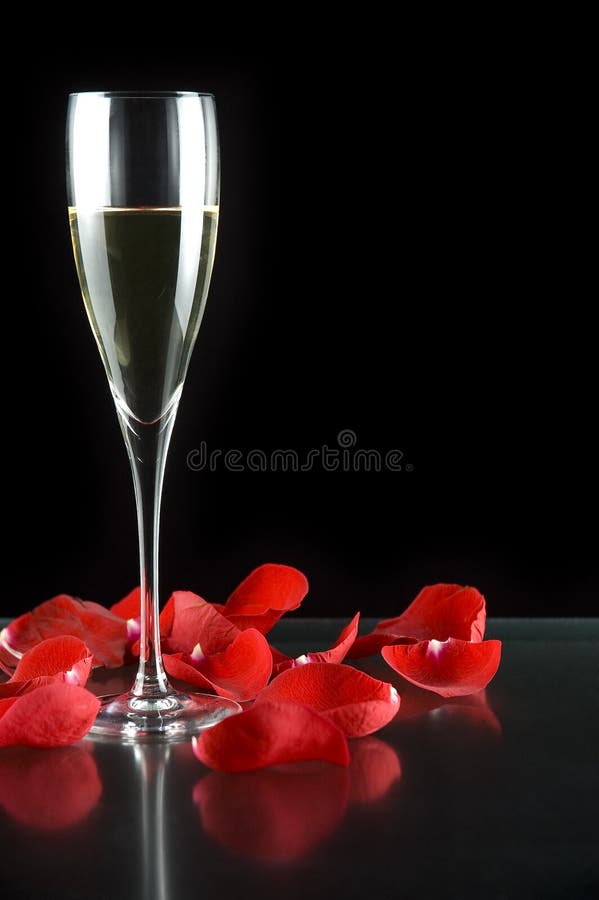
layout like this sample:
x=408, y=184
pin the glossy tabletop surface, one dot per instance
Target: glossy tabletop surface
x=492, y=796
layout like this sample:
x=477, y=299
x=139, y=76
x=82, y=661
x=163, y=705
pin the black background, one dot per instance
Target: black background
x=394, y=258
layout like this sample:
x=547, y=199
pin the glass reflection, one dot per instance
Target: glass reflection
x=151, y=761
x=49, y=789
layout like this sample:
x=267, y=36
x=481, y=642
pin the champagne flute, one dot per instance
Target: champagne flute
x=143, y=193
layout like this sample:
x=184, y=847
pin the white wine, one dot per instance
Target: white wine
x=144, y=275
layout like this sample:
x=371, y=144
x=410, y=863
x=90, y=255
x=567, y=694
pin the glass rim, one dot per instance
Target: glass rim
x=141, y=95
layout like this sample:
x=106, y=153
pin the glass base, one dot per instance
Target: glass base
x=176, y=716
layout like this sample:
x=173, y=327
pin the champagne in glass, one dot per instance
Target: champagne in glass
x=143, y=185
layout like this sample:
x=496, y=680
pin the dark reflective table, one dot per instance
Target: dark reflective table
x=490, y=797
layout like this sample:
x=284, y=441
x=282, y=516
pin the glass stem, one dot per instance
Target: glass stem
x=147, y=447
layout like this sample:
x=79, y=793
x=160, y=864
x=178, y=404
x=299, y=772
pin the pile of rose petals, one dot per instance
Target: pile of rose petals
x=295, y=708
x=45, y=703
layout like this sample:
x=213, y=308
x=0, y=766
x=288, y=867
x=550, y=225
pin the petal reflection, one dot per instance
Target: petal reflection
x=374, y=767
x=475, y=714
x=278, y=815
x=473, y=709
x=49, y=789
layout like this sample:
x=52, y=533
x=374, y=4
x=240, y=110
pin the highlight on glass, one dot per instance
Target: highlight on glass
x=143, y=194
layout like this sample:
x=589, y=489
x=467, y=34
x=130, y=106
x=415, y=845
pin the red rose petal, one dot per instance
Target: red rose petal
x=66, y=657
x=371, y=644
x=441, y=611
x=356, y=702
x=16, y=688
x=262, y=623
x=51, y=716
x=451, y=668
x=50, y=789
x=340, y=648
x=177, y=667
x=197, y=622
x=7, y=702
x=282, y=666
x=273, y=816
x=280, y=661
x=334, y=654
x=243, y=669
x=270, y=586
x=219, y=607
x=104, y=633
x=265, y=595
x=374, y=767
x=167, y=616
x=129, y=607
x=270, y=733
x=239, y=672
